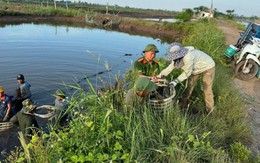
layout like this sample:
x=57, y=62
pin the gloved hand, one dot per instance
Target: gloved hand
x=173, y=83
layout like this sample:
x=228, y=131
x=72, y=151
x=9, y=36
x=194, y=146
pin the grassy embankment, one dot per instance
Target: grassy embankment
x=84, y=6
x=29, y=10
x=103, y=129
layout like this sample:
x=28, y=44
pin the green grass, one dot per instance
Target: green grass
x=30, y=10
x=106, y=130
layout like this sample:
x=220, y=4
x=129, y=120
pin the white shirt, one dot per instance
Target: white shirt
x=195, y=62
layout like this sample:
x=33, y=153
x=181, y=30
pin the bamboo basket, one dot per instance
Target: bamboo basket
x=46, y=111
x=5, y=126
x=161, y=103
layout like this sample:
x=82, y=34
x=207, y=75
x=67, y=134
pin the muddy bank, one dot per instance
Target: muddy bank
x=154, y=31
x=145, y=15
x=125, y=26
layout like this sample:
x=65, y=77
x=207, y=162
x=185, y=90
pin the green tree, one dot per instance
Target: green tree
x=185, y=16
x=230, y=13
x=197, y=10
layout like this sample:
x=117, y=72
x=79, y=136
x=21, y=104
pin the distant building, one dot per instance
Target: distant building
x=204, y=14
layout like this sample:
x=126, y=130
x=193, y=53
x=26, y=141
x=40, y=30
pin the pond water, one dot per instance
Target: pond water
x=49, y=55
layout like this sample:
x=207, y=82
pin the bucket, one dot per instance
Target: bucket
x=231, y=50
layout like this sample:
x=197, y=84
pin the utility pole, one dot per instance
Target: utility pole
x=67, y=6
x=55, y=4
x=107, y=9
x=211, y=10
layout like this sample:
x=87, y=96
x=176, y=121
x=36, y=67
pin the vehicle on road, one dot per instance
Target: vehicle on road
x=245, y=54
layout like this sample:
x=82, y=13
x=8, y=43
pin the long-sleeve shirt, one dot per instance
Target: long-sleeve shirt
x=143, y=67
x=25, y=90
x=195, y=62
x=25, y=122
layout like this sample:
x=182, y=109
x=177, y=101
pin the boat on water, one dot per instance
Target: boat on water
x=112, y=23
x=103, y=23
x=91, y=21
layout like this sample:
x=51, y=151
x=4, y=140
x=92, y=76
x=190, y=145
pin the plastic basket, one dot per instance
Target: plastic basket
x=163, y=105
x=5, y=126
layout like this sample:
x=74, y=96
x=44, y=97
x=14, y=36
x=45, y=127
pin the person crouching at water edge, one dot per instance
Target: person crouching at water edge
x=147, y=66
x=60, y=102
x=194, y=63
x=25, y=118
x=138, y=96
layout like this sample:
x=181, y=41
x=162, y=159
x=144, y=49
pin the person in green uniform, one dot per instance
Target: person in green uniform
x=138, y=96
x=25, y=118
x=147, y=66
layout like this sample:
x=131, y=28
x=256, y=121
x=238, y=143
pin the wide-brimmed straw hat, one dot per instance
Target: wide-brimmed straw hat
x=28, y=106
x=176, y=51
x=60, y=93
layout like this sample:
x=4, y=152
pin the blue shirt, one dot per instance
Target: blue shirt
x=25, y=90
x=4, y=105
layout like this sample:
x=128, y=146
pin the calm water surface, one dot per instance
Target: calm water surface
x=50, y=55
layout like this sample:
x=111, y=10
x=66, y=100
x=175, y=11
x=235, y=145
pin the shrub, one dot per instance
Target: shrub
x=240, y=153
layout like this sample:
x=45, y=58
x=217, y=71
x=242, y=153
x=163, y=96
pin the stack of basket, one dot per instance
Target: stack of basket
x=5, y=126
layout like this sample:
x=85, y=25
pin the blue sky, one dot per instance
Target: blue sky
x=241, y=7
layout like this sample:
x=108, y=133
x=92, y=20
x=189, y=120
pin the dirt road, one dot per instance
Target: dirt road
x=249, y=90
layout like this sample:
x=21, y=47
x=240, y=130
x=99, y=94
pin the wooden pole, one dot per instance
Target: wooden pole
x=55, y=4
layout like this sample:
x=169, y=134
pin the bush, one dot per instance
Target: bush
x=240, y=153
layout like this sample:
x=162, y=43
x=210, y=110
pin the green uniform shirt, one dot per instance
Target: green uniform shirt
x=143, y=67
x=25, y=121
x=135, y=101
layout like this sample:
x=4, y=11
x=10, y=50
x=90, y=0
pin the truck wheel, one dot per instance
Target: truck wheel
x=249, y=72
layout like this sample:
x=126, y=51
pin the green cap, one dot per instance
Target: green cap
x=151, y=47
x=143, y=84
x=60, y=93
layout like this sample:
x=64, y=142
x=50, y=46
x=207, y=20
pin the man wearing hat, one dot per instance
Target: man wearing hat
x=23, y=92
x=25, y=118
x=60, y=102
x=146, y=66
x=194, y=63
x=5, y=105
x=139, y=94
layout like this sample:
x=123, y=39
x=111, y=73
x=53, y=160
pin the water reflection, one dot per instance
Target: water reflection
x=49, y=55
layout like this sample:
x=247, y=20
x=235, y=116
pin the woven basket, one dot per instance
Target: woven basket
x=164, y=104
x=5, y=126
